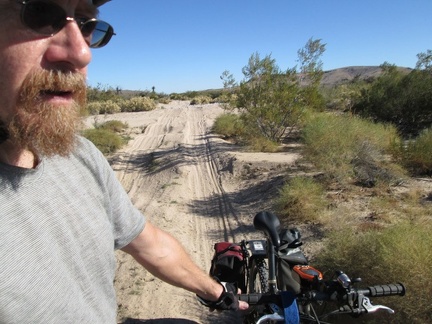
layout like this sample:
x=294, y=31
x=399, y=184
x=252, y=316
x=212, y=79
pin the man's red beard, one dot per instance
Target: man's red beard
x=44, y=128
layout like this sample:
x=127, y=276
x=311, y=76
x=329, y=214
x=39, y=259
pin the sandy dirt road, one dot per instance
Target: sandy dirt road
x=183, y=178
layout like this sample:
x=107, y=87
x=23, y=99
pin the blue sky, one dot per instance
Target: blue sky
x=185, y=45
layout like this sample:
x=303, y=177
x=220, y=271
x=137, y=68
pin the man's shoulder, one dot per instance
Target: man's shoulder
x=86, y=149
x=84, y=144
x=85, y=154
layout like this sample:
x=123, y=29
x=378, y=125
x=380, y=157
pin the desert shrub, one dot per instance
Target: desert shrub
x=109, y=107
x=269, y=99
x=272, y=101
x=179, y=96
x=261, y=144
x=231, y=126
x=106, y=141
x=400, y=253
x=138, y=104
x=105, y=135
x=301, y=199
x=164, y=100
x=343, y=97
x=417, y=154
x=115, y=126
x=201, y=100
x=351, y=149
x=411, y=204
x=228, y=125
x=102, y=93
x=94, y=107
x=399, y=98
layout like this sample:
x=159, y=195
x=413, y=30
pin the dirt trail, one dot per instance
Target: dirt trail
x=183, y=179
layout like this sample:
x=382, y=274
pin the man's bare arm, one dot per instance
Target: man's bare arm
x=164, y=256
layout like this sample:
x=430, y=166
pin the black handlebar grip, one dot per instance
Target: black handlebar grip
x=387, y=290
x=260, y=299
x=251, y=299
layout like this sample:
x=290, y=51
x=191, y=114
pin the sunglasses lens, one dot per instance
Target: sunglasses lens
x=43, y=17
x=47, y=18
x=98, y=31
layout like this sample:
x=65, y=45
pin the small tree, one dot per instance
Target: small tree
x=272, y=101
x=228, y=96
x=404, y=100
x=268, y=98
x=424, y=61
x=101, y=93
x=311, y=72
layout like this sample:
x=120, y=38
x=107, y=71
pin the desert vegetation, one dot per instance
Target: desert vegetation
x=102, y=100
x=108, y=137
x=362, y=138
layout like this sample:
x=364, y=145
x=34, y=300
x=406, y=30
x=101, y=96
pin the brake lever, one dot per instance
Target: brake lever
x=367, y=305
x=270, y=318
x=276, y=316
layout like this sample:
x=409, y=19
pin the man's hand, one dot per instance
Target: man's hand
x=228, y=299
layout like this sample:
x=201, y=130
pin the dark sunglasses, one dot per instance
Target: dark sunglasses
x=47, y=18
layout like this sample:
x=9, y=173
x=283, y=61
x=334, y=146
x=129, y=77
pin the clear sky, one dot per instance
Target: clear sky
x=184, y=45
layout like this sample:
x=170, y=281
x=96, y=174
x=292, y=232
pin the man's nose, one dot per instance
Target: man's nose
x=68, y=47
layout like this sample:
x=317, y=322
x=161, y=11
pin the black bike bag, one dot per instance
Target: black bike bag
x=229, y=264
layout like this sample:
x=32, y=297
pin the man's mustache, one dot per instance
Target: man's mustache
x=52, y=82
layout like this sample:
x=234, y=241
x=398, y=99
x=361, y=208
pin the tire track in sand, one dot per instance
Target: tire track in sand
x=171, y=175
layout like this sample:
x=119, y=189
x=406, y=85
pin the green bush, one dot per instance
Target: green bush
x=401, y=99
x=179, y=96
x=136, y=104
x=109, y=107
x=115, y=126
x=231, y=126
x=400, y=253
x=417, y=154
x=201, y=100
x=261, y=144
x=344, y=96
x=300, y=200
x=272, y=101
x=228, y=125
x=102, y=93
x=164, y=100
x=106, y=141
x=351, y=149
x=94, y=107
x=269, y=99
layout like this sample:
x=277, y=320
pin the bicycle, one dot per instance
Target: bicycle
x=280, y=286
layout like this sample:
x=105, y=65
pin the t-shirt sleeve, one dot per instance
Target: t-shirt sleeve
x=126, y=220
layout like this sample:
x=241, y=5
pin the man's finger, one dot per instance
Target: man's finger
x=243, y=305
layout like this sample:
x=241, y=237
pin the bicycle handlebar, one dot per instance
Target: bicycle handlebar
x=384, y=290
x=261, y=299
x=372, y=291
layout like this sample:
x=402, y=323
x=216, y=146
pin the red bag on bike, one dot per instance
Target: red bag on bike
x=228, y=263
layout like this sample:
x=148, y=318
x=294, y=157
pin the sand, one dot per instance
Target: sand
x=188, y=182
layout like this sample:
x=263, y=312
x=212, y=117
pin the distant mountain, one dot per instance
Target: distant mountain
x=347, y=74
x=330, y=78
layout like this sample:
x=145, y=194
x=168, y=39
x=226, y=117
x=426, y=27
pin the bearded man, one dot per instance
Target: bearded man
x=62, y=211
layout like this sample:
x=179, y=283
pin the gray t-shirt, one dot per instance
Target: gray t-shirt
x=59, y=226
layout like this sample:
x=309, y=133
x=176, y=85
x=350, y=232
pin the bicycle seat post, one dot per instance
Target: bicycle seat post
x=272, y=267
x=269, y=223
